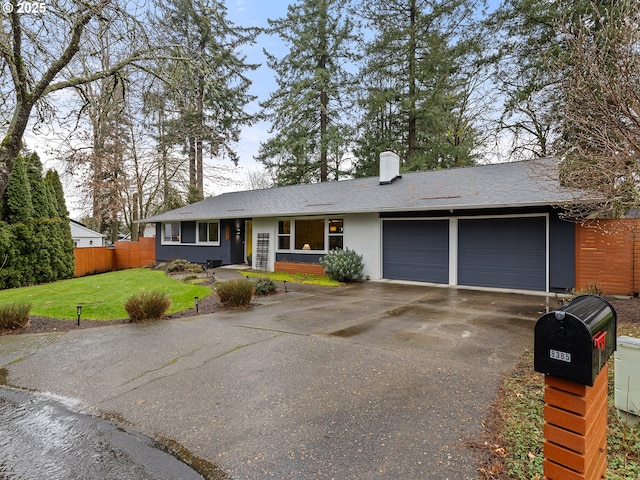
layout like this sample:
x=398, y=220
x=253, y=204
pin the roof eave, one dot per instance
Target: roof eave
x=421, y=208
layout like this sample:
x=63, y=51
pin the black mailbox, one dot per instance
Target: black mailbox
x=574, y=341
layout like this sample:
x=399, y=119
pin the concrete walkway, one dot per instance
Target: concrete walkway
x=373, y=381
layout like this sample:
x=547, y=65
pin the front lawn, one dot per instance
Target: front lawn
x=302, y=278
x=102, y=296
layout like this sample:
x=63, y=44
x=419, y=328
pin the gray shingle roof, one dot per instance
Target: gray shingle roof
x=529, y=183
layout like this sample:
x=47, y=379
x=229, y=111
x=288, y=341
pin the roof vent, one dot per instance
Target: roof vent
x=389, y=168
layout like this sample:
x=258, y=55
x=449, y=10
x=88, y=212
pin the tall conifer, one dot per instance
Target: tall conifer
x=309, y=110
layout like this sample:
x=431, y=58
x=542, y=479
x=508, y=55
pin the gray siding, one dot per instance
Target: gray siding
x=562, y=255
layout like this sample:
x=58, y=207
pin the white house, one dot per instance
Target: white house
x=85, y=237
x=496, y=226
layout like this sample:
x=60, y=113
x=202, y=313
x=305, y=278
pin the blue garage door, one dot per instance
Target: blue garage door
x=416, y=250
x=503, y=252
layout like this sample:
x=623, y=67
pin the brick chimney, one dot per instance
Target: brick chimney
x=389, y=168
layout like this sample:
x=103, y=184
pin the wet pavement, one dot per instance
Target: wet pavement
x=43, y=438
x=373, y=381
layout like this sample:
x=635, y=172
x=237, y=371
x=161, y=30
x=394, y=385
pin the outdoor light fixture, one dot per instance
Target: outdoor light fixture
x=285, y=286
x=197, y=299
x=79, y=312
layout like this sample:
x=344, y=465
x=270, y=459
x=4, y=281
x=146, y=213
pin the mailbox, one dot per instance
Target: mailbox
x=574, y=341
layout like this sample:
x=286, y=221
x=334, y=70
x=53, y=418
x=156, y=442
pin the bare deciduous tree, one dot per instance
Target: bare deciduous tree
x=38, y=57
x=601, y=117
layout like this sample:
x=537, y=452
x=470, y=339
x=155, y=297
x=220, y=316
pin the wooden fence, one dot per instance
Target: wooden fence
x=608, y=255
x=121, y=256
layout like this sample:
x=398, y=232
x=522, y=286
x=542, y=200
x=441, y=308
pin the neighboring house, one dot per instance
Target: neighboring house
x=493, y=226
x=84, y=236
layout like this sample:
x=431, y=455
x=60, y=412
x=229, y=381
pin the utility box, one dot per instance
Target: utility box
x=627, y=376
x=575, y=341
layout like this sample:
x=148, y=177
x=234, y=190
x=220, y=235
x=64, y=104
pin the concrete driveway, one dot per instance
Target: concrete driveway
x=373, y=381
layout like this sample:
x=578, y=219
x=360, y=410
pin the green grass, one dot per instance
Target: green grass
x=102, y=296
x=294, y=278
x=520, y=406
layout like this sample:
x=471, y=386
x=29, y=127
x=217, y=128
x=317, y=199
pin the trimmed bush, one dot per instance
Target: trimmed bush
x=236, y=292
x=343, y=265
x=14, y=316
x=147, y=306
x=264, y=285
x=181, y=265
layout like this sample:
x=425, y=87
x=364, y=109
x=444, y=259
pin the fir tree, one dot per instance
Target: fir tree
x=416, y=84
x=65, y=263
x=309, y=110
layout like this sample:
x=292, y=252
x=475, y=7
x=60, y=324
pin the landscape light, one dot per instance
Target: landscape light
x=79, y=312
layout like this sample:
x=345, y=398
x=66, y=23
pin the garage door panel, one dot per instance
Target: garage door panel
x=416, y=250
x=502, y=252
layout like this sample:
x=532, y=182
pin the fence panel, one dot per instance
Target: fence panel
x=121, y=256
x=607, y=256
x=92, y=260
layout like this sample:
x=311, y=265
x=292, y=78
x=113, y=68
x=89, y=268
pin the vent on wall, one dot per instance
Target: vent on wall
x=627, y=378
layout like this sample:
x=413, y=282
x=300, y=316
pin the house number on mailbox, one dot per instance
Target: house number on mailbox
x=562, y=356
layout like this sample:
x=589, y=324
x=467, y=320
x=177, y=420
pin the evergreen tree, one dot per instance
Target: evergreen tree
x=19, y=213
x=309, y=110
x=64, y=263
x=44, y=236
x=416, y=81
x=17, y=203
x=35, y=235
x=7, y=254
x=206, y=87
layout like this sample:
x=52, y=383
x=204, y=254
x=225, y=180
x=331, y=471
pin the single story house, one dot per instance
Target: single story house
x=85, y=237
x=495, y=226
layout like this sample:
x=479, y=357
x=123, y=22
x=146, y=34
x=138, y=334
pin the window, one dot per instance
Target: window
x=209, y=232
x=284, y=234
x=309, y=234
x=171, y=232
x=313, y=235
x=336, y=229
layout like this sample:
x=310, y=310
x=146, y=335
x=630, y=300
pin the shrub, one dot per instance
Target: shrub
x=343, y=265
x=236, y=292
x=147, y=306
x=264, y=285
x=591, y=289
x=14, y=316
x=181, y=265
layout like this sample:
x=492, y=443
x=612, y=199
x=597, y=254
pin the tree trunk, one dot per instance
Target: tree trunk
x=324, y=96
x=192, y=164
x=324, y=106
x=412, y=124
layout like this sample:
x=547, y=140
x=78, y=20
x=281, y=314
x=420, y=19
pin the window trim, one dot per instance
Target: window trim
x=208, y=243
x=171, y=242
